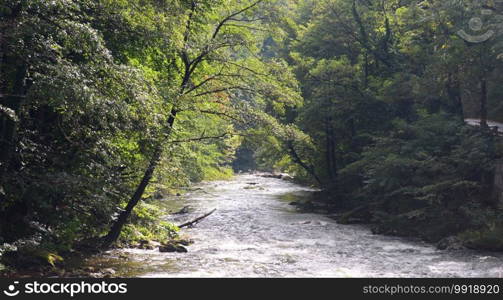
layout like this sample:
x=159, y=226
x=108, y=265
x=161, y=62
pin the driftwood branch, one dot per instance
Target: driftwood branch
x=187, y=224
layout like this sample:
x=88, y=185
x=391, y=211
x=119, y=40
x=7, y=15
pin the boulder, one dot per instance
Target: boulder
x=184, y=210
x=185, y=242
x=107, y=273
x=148, y=245
x=172, y=247
x=286, y=177
x=451, y=243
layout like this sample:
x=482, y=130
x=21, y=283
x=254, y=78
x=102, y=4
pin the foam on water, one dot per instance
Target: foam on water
x=254, y=233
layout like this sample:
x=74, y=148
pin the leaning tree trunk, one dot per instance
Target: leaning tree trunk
x=116, y=228
x=483, y=104
x=309, y=169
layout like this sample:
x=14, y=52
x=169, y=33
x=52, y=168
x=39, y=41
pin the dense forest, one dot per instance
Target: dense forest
x=107, y=105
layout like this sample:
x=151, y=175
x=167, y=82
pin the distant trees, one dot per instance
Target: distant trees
x=363, y=64
x=386, y=88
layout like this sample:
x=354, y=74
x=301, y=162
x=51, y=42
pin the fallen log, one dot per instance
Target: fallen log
x=187, y=224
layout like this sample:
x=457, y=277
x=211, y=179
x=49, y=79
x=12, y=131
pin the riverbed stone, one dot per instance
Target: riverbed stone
x=185, y=242
x=172, y=247
x=148, y=245
x=109, y=272
x=184, y=210
x=451, y=243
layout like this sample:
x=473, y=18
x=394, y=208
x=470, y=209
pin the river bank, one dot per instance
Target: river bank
x=256, y=232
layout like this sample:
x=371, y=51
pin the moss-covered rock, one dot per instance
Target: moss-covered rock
x=172, y=247
x=451, y=243
x=490, y=238
x=31, y=258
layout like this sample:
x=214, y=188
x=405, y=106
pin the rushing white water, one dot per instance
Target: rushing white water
x=256, y=233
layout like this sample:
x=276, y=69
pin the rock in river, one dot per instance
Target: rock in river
x=172, y=247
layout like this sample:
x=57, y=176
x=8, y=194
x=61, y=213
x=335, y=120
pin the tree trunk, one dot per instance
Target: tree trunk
x=455, y=101
x=116, y=228
x=330, y=151
x=483, y=103
x=298, y=160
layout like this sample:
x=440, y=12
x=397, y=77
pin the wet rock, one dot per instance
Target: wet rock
x=185, y=242
x=144, y=244
x=184, y=210
x=252, y=183
x=451, y=243
x=277, y=176
x=172, y=247
x=283, y=176
x=89, y=269
x=148, y=245
x=95, y=275
x=287, y=177
x=107, y=273
x=490, y=239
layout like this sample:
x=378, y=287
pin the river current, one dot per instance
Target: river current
x=255, y=232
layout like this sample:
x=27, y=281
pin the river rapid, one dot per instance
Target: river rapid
x=255, y=232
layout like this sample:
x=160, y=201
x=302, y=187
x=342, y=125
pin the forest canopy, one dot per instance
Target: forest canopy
x=106, y=105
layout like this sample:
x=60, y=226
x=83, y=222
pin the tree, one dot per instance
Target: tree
x=215, y=57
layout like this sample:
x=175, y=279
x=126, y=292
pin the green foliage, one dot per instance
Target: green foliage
x=431, y=171
x=146, y=225
x=93, y=93
x=433, y=161
x=489, y=238
x=386, y=86
x=362, y=98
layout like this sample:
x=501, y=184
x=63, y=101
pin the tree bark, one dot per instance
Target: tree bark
x=483, y=103
x=190, y=67
x=454, y=93
x=116, y=228
x=300, y=162
x=330, y=151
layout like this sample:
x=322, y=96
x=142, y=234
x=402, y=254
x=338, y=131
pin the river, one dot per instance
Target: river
x=256, y=233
